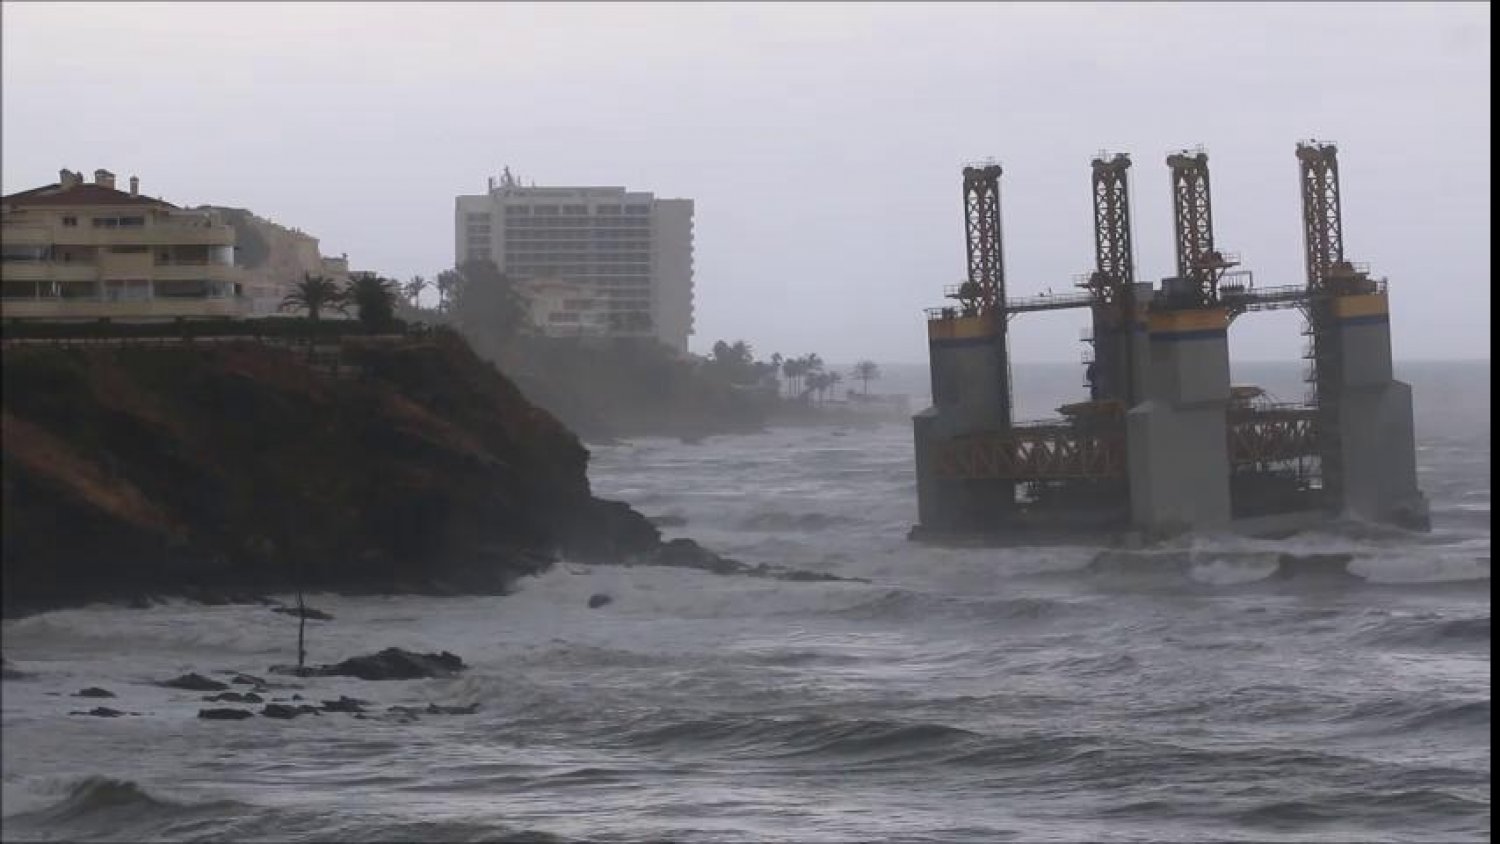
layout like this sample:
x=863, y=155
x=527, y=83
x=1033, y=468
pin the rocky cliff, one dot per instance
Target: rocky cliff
x=221, y=466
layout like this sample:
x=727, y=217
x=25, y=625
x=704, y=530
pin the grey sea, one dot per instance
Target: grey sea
x=1203, y=691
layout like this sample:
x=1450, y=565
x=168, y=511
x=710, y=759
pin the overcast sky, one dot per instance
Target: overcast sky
x=822, y=143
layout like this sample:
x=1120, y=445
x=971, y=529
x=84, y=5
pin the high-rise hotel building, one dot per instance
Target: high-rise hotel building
x=634, y=252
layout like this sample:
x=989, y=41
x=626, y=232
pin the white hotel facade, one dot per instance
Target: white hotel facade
x=632, y=251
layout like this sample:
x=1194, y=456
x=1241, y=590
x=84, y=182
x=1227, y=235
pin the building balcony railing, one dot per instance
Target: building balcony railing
x=45, y=271
x=143, y=309
x=169, y=235
x=25, y=233
x=193, y=272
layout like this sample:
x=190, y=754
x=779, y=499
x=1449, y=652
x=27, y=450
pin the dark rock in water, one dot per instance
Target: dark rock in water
x=686, y=553
x=402, y=714
x=345, y=704
x=101, y=712
x=598, y=600
x=397, y=664
x=435, y=709
x=296, y=697
x=298, y=671
x=811, y=576
x=307, y=612
x=668, y=521
x=225, y=714
x=94, y=691
x=284, y=711
x=608, y=532
x=195, y=683
x=247, y=680
x=234, y=697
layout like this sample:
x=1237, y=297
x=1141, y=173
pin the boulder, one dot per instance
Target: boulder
x=345, y=704
x=599, y=599
x=225, y=714
x=234, y=697
x=94, y=691
x=285, y=711
x=436, y=709
x=101, y=712
x=397, y=664
x=194, y=683
x=306, y=612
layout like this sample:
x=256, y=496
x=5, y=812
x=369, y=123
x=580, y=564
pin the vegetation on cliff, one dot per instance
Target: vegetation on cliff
x=620, y=386
x=243, y=465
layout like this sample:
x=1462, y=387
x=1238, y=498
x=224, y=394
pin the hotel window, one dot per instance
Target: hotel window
x=70, y=221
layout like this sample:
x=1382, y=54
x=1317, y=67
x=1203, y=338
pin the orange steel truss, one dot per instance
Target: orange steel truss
x=1035, y=454
x=1272, y=436
x=1062, y=452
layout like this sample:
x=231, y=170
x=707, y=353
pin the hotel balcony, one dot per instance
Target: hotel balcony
x=123, y=310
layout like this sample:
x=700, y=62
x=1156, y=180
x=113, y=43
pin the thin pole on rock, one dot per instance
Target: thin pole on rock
x=301, y=623
x=301, y=631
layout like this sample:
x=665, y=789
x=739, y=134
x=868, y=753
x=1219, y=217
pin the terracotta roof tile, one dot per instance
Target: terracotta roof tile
x=84, y=194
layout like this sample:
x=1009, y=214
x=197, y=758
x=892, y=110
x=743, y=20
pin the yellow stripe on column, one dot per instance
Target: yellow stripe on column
x=1180, y=322
x=961, y=328
x=1367, y=304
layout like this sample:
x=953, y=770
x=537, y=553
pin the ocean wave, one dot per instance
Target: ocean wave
x=121, y=809
x=1407, y=715
x=778, y=521
x=1425, y=809
x=100, y=805
x=1430, y=632
x=904, y=604
x=791, y=738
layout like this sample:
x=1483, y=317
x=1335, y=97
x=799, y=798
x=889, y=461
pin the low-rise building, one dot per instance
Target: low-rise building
x=561, y=308
x=76, y=250
x=273, y=258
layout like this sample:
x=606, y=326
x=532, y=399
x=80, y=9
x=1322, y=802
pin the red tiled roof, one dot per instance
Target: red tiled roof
x=83, y=194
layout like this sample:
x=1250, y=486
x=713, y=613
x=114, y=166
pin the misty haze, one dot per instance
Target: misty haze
x=735, y=422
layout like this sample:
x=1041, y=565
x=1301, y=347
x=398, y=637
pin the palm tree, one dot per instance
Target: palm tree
x=413, y=290
x=448, y=281
x=794, y=369
x=866, y=371
x=312, y=294
x=833, y=380
x=375, y=297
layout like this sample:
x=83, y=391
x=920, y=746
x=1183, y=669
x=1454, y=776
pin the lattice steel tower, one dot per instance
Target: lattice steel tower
x=1198, y=261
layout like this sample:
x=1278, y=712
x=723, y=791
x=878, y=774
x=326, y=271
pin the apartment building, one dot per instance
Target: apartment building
x=631, y=250
x=76, y=250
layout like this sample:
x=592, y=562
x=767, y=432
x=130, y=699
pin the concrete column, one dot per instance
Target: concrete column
x=1177, y=446
x=1370, y=414
x=970, y=394
x=1121, y=355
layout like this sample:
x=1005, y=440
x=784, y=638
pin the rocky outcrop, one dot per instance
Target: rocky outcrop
x=389, y=664
x=194, y=683
x=222, y=469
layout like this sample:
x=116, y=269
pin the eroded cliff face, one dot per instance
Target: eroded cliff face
x=241, y=466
